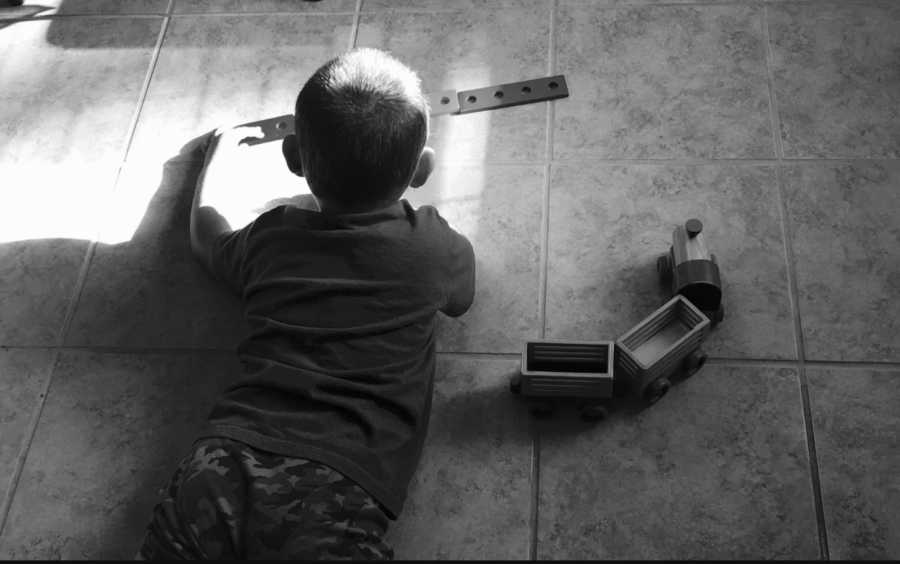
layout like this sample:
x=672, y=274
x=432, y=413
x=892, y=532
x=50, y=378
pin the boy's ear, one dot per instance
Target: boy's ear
x=423, y=168
x=290, y=148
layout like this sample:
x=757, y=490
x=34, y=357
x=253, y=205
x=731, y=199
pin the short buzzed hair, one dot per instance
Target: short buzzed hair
x=362, y=123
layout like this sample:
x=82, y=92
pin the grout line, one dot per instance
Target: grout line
x=25, y=446
x=800, y=346
x=712, y=360
x=542, y=286
x=259, y=14
x=354, y=31
x=794, y=293
x=663, y=162
x=535, y=489
x=484, y=355
x=770, y=80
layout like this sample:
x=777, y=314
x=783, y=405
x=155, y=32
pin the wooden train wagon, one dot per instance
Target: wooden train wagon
x=664, y=343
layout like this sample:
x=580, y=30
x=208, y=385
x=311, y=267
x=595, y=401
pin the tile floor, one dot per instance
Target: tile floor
x=775, y=122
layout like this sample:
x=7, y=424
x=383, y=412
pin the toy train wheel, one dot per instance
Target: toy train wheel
x=541, y=409
x=694, y=362
x=656, y=390
x=664, y=270
x=593, y=412
x=515, y=384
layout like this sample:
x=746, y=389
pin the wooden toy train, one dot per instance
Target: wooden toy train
x=642, y=361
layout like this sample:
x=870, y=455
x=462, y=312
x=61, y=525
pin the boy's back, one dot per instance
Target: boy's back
x=340, y=361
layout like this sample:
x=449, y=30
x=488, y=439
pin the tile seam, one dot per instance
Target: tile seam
x=25, y=446
x=258, y=14
x=354, y=31
x=885, y=366
x=794, y=293
x=534, y=521
x=661, y=162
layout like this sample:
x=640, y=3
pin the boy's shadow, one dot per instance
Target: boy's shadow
x=167, y=300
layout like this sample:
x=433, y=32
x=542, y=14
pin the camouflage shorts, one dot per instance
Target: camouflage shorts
x=227, y=500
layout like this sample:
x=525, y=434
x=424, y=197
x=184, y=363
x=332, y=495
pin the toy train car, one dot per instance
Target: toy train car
x=641, y=362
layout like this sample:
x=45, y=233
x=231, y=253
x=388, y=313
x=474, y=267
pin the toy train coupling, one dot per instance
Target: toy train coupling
x=690, y=270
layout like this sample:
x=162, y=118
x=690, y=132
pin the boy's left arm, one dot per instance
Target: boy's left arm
x=216, y=192
x=232, y=191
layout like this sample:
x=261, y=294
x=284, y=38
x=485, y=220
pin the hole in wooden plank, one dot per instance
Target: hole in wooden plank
x=498, y=94
x=553, y=85
x=471, y=99
x=526, y=90
x=445, y=100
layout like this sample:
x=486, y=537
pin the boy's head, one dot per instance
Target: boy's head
x=361, y=124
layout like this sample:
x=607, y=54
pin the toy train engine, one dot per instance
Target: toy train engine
x=690, y=270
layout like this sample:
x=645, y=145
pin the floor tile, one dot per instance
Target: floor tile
x=472, y=49
x=23, y=375
x=717, y=469
x=70, y=7
x=846, y=241
x=63, y=103
x=471, y=495
x=111, y=433
x=399, y=5
x=836, y=78
x=857, y=432
x=226, y=70
x=144, y=287
x=194, y=6
x=39, y=281
x=662, y=82
x=608, y=225
x=498, y=208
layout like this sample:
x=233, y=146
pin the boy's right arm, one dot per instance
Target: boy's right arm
x=460, y=288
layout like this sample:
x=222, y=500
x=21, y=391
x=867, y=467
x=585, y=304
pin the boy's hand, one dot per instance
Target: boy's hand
x=230, y=139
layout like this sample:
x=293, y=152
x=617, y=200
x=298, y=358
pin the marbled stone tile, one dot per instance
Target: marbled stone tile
x=662, y=82
x=836, y=77
x=471, y=495
x=857, y=431
x=608, y=225
x=48, y=214
x=39, y=281
x=438, y=5
x=113, y=429
x=71, y=103
x=846, y=240
x=472, y=49
x=717, y=469
x=23, y=375
x=144, y=287
x=498, y=208
x=69, y=7
x=226, y=70
x=195, y=6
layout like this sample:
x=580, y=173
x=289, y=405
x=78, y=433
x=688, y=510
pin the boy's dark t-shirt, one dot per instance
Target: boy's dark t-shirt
x=339, y=364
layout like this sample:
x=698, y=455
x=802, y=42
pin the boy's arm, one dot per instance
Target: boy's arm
x=216, y=192
x=460, y=276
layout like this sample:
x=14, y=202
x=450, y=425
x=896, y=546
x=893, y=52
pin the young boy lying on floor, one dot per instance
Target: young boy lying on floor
x=309, y=455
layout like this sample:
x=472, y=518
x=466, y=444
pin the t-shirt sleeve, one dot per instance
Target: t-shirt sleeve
x=228, y=257
x=460, y=273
